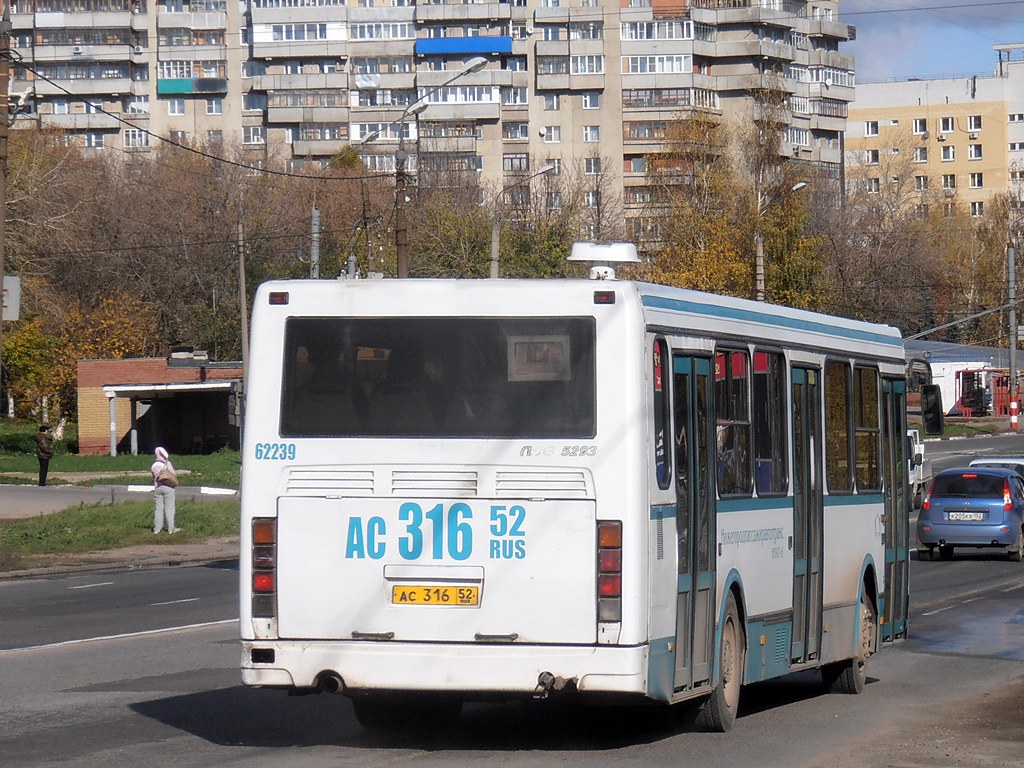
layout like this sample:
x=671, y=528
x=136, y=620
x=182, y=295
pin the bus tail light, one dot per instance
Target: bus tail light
x=264, y=567
x=609, y=570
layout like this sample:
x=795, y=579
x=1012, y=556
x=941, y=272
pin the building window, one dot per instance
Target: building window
x=179, y=137
x=920, y=154
x=920, y=183
x=1017, y=117
x=215, y=138
x=873, y=186
x=592, y=100
x=254, y=101
x=554, y=200
x=974, y=151
x=920, y=125
x=1016, y=146
x=253, y=134
x=552, y=134
x=175, y=106
x=556, y=166
x=515, y=162
x=591, y=133
x=947, y=125
x=515, y=131
x=592, y=199
x=977, y=180
x=551, y=102
x=215, y=106
x=871, y=157
x=592, y=165
x=977, y=209
x=138, y=105
x=948, y=154
x=949, y=181
x=871, y=128
x=61, y=107
x=514, y=95
x=94, y=140
x=974, y=123
x=136, y=137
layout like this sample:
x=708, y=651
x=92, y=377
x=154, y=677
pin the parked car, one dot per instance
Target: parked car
x=1016, y=463
x=972, y=507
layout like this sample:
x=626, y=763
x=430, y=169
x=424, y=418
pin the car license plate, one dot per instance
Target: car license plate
x=417, y=594
x=967, y=516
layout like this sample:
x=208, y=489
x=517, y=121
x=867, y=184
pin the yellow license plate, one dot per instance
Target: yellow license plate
x=416, y=594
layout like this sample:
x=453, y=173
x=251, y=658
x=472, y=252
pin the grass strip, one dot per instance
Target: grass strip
x=95, y=527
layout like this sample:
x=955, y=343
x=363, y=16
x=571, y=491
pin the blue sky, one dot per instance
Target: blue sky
x=921, y=38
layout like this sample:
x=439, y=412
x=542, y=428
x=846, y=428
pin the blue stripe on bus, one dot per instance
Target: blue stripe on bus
x=748, y=503
x=768, y=318
x=846, y=500
x=662, y=511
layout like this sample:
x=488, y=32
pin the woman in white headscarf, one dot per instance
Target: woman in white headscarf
x=165, y=480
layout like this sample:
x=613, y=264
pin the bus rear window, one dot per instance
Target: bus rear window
x=439, y=377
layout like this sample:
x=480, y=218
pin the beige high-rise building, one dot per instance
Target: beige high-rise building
x=581, y=84
x=966, y=134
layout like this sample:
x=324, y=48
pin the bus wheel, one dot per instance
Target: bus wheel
x=718, y=713
x=393, y=712
x=850, y=675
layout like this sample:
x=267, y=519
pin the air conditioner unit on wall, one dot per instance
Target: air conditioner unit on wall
x=942, y=137
x=138, y=49
x=78, y=50
x=973, y=136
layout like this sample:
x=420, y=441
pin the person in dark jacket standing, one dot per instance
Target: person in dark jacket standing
x=43, y=452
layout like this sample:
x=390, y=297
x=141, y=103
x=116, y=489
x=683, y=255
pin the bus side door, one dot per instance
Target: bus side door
x=695, y=523
x=897, y=510
x=808, y=515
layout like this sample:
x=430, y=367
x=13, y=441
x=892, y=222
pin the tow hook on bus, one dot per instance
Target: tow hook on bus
x=547, y=682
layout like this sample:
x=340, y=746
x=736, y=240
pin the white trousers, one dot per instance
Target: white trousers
x=163, y=508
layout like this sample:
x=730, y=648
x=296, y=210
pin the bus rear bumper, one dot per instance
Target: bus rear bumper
x=495, y=670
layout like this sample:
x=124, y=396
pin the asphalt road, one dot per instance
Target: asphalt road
x=135, y=668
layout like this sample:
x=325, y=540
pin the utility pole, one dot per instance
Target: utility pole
x=1011, y=299
x=314, y=246
x=5, y=79
x=243, y=309
x=401, y=231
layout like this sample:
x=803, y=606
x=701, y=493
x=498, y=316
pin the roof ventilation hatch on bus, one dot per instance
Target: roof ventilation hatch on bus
x=603, y=257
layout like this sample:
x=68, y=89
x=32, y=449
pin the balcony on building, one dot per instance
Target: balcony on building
x=318, y=147
x=454, y=13
x=489, y=45
x=86, y=86
x=76, y=53
x=301, y=14
x=827, y=28
x=712, y=12
x=175, y=86
x=302, y=81
x=84, y=122
x=473, y=110
x=561, y=15
x=210, y=20
x=338, y=114
x=98, y=20
x=319, y=49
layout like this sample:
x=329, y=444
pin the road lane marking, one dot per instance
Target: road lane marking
x=950, y=607
x=144, y=633
x=175, y=602
x=90, y=586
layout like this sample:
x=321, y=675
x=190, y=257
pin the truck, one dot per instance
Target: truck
x=919, y=469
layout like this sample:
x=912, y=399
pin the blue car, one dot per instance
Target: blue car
x=972, y=507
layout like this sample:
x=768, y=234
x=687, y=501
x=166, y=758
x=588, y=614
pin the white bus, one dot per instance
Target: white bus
x=457, y=490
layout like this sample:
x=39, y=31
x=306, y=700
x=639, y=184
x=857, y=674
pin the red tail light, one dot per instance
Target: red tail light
x=609, y=570
x=264, y=567
x=927, y=503
x=1007, y=498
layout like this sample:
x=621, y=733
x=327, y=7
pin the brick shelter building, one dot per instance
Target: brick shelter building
x=184, y=402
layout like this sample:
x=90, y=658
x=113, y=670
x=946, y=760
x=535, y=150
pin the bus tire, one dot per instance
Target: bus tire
x=718, y=712
x=849, y=676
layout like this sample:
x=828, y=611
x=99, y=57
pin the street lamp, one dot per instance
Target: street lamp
x=759, y=289
x=496, y=221
x=418, y=105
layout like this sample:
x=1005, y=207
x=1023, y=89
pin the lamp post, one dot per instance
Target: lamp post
x=401, y=181
x=759, y=282
x=496, y=220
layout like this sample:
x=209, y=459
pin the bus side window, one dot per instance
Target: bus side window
x=732, y=412
x=837, y=427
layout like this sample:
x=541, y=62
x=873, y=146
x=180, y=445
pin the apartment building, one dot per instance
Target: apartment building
x=965, y=134
x=580, y=84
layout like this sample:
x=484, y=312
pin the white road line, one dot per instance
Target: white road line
x=175, y=602
x=90, y=586
x=1011, y=589
x=950, y=607
x=144, y=633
